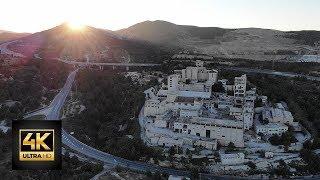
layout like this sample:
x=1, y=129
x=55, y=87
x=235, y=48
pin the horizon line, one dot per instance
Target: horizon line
x=59, y=24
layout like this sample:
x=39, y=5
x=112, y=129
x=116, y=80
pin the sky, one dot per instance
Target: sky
x=38, y=15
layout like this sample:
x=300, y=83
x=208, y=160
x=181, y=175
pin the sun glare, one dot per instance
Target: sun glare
x=76, y=26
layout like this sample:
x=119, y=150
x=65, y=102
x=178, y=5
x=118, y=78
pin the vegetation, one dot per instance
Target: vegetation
x=302, y=96
x=285, y=139
x=304, y=37
x=26, y=85
x=218, y=87
x=25, y=88
x=231, y=147
x=307, y=68
x=314, y=144
x=110, y=122
x=12, y=112
x=282, y=169
x=252, y=165
x=312, y=161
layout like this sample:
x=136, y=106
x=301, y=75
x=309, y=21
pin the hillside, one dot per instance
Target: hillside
x=166, y=32
x=8, y=36
x=251, y=43
x=100, y=45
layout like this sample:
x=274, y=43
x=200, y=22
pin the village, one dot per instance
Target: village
x=229, y=125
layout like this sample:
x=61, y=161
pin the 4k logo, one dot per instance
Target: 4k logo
x=36, y=145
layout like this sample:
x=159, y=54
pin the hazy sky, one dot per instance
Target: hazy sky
x=37, y=15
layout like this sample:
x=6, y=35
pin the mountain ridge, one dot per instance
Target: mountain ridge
x=103, y=46
x=251, y=43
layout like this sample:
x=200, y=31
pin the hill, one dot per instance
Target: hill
x=8, y=36
x=166, y=32
x=251, y=43
x=100, y=45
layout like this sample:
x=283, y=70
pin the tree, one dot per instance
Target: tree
x=231, y=147
x=252, y=165
x=258, y=103
x=172, y=151
x=189, y=153
x=285, y=139
x=218, y=87
x=282, y=169
x=195, y=173
x=311, y=159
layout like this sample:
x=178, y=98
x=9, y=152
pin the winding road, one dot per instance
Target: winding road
x=53, y=113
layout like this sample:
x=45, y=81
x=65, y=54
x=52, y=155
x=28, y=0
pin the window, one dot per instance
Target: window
x=208, y=133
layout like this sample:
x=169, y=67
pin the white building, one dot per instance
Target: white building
x=268, y=154
x=194, y=115
x=223, y=130
x=240, y=85
x=225, y=101
x=232, y=159
x=153, y=107
x=187, y=141
x=236, y=112
x=193, y=81
x=271, y=128
x=189, y=113
x=277, y=115
x=161, y=122
x=248, y=113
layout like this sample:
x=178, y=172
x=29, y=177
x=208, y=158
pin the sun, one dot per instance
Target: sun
x=76, y=26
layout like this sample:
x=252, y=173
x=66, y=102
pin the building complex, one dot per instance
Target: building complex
x=195, y=108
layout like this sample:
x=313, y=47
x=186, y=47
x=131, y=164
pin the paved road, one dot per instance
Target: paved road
x=58, y=101
x=91, y=152
x=53, y=113
x=271, y=72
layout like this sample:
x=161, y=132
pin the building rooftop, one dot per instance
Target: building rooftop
x=180, y=99
x=271, y=125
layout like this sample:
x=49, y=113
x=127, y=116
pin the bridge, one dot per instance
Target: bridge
x=101, y=65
